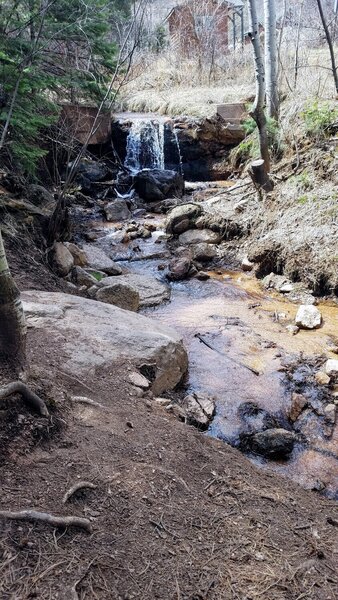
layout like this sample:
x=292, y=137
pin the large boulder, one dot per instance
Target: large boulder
x=197, y=236
x=91, y=335
x=117, y=210
x=151, y=291
x=156, y=185
x=119, y=294
x=181, y=218
x=308, y=317
x=97, y=259
x=77, y=253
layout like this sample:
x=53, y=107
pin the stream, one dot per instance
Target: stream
x=237, y=318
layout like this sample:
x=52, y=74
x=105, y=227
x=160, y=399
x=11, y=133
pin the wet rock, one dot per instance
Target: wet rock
x=179, y=269
x=150, y=290
x=93, y=171
x=273, y=443
x=204, y=252
x=322, y=378
x=62, y=259
x=202, y=276
x=298, y=403
x=155, y=185
x=117, y=210
x=196, y=236
x=247, y=265
x=120, y=294
x=139, y=380
x=77, y=253
x=255, y=418
x=94, y=335
x=98, y=259
x=308, y=317
x=181, y=218
x=199, y=409
x=81, y=277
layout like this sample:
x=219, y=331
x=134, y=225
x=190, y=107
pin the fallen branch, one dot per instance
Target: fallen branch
x=17, y=387
x=239, y=364
x=33, y=515
x=75, y=488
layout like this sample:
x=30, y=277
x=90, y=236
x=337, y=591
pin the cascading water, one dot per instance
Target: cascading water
x=145, y=145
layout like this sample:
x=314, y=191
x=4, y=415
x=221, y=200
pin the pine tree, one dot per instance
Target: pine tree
x=50, y=51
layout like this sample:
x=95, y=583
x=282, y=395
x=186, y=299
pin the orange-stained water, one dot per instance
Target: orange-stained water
x=233, y=314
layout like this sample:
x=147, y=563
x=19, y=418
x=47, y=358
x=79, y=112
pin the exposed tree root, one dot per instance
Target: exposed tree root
x=33, y=515
x=17, y=387
x=75, y=488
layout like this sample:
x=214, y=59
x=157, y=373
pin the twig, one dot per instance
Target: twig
x=85, y=400
x=201, y=339
x=54, y=521
x=17, y=387
x=76, y=487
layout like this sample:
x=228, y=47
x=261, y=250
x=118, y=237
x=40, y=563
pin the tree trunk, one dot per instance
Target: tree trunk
x=259, y=176
x=330, y=44
x=271, y=59
x=12, y=319
x=257, y=110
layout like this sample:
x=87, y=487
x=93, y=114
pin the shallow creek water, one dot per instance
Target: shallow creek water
x=237, y=318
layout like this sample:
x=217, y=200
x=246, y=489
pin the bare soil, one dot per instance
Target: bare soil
x=175, y=514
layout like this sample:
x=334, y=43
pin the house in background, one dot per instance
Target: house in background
x=208, y=26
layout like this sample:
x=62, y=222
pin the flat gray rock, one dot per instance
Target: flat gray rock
x=91, y=334
x=197, y=236
x=151, y=291
x=99, y=260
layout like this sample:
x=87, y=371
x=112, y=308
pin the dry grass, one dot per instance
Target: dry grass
x=169, y=84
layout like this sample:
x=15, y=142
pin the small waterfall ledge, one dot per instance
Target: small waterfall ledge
x=198, y=149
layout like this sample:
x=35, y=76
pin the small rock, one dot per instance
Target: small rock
x=117, y=210
x=92, y=291
x=121, y=295
x=202, y=276
x=274, y=443
x=247, y=265
x=199, y=409
x=331, y=367
x=293, y=329
x=163, y=401
x=330, y=413
x=81, y=277
x=181, y=218
x=97, y=259
x=179, y=269
x=286, y=288
x=139, y=380
x=322, y=378
x=77, y=253
x=298, y=403
x=63, y=259
x=196, y=236
x=204, y=252
x=308, y=317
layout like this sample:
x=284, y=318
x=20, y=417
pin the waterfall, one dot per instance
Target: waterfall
x=145, y=145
